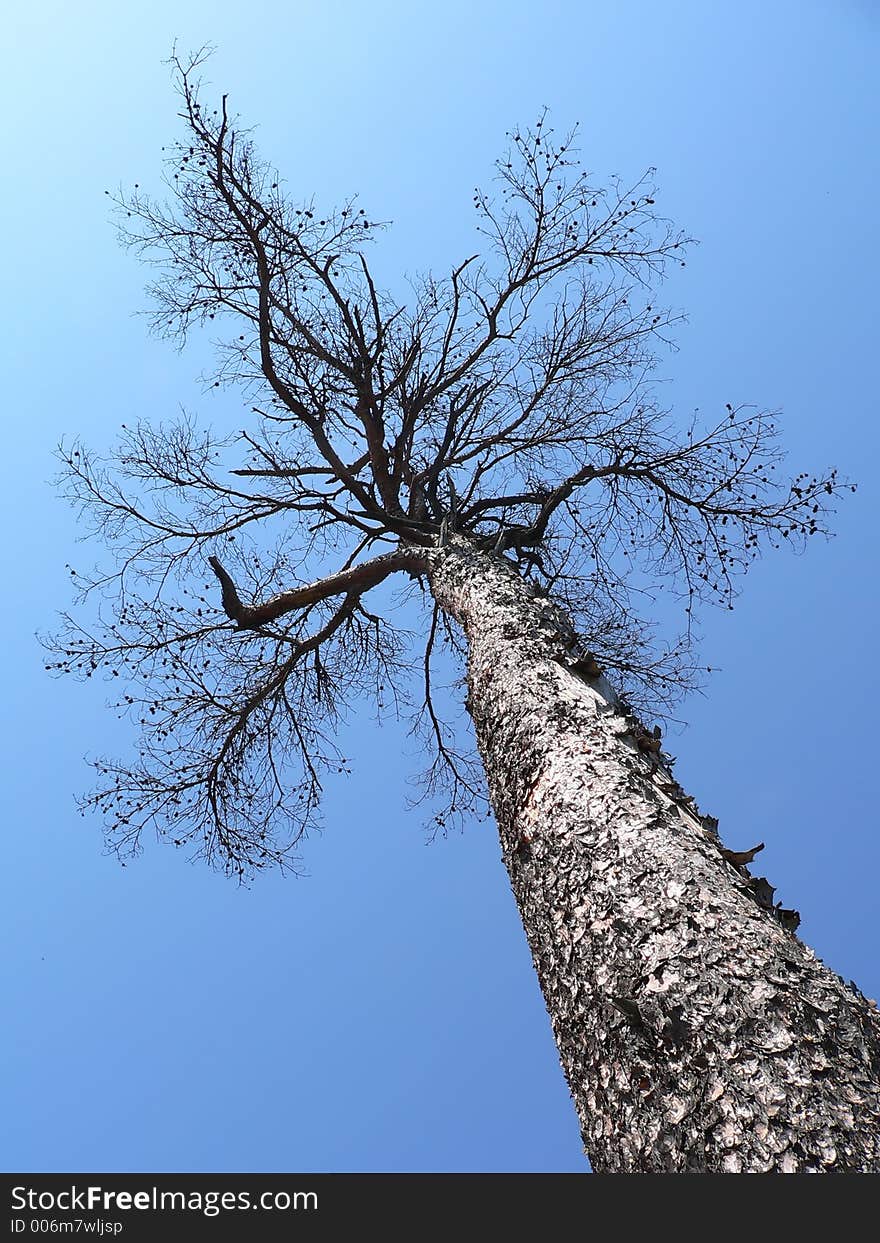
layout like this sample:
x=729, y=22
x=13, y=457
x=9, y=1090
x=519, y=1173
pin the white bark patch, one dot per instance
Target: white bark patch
x=714, y=1089
x=676, y=1108
x=774, y=1038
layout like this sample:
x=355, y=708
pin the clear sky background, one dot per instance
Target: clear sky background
x=382, y=1013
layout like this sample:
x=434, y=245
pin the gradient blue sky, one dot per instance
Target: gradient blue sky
x=382, y=1013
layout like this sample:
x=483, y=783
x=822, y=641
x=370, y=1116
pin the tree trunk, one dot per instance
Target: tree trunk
x=696, y=1033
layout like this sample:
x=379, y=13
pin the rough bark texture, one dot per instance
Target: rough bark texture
x=696, y=1033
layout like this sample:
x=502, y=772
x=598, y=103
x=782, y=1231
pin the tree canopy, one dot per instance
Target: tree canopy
x=509, y=401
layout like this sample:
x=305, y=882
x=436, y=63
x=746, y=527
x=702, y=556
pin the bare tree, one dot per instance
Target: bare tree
x=492, y=443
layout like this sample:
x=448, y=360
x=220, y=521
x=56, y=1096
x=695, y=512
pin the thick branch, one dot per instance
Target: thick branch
x=357, y=579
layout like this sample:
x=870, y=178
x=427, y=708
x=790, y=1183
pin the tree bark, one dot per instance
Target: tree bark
x=696, y=1033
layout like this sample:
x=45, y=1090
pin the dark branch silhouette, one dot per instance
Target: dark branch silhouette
x=508, y=404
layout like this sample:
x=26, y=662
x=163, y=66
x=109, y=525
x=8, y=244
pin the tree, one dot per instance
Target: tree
x=493, y=443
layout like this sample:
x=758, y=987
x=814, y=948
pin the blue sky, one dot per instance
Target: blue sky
x=382, y=1012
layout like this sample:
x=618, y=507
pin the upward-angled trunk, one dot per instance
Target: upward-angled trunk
x=695, y=1031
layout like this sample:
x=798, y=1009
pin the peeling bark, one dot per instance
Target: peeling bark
x=696, y=1033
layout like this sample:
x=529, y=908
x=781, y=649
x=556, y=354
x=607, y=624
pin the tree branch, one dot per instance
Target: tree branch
x=357, y=579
